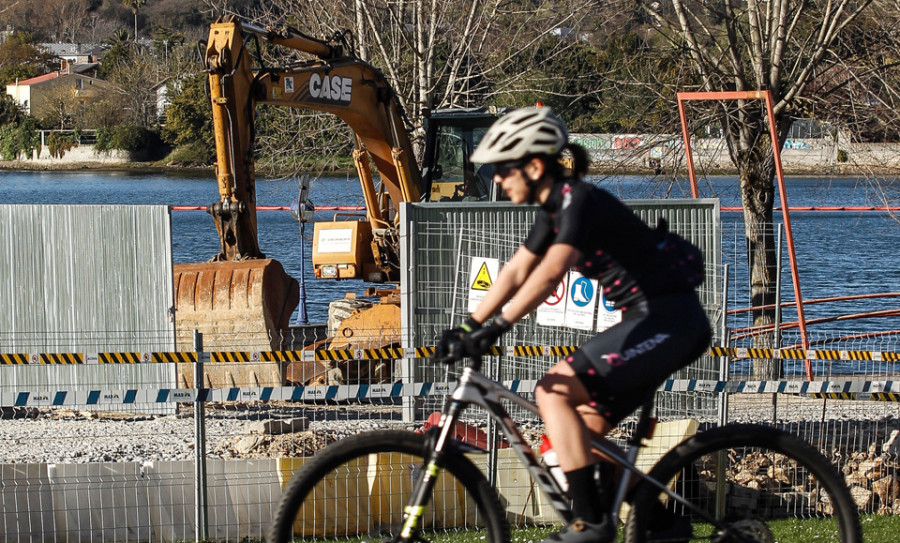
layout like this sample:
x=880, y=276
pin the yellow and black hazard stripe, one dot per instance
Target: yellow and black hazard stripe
x=828, y=355
x=119, y=358
x=841, y=355
x=174, y=357
x=886, y=396
x=792, y=354
x=760, y=353
x=383, y=353
x=13, y=358
x=562, y=350
x=528, y=350
x=334, y=355
x=424, y=352
x=802, y=354
x=722, y=351
x=231, y=357
x=281, y=356
x=62, y=358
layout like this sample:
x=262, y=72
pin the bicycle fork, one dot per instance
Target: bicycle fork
x=414, y=511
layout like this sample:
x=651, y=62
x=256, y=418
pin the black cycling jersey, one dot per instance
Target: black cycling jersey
x=617, y=247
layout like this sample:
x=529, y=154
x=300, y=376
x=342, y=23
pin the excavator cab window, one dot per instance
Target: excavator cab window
x=455, y=178
x=448, y=174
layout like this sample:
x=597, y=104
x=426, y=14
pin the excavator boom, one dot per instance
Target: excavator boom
x=242, y=292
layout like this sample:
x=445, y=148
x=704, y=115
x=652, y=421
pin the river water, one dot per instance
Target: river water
x=839, y=253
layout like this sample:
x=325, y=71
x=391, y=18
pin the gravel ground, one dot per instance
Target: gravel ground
x=66, y=436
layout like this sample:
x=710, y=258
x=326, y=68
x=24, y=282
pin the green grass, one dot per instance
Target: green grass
x=876, y=529
x=880, y=528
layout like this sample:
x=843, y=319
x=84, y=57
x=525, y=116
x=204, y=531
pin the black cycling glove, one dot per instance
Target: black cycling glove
x=480, y=341
x=450, y=346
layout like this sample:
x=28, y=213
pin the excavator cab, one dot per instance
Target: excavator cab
x=451, y=136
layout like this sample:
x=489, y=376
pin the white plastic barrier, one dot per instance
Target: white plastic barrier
x=99, y=502
x=253, y=490
x=26, y=503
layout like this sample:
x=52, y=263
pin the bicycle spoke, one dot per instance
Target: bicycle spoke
x=756, y=484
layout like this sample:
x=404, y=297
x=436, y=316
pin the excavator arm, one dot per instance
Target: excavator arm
x=331, y=82
x=241, y=292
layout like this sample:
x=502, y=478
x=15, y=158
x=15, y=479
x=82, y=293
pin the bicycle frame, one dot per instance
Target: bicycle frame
x=474, y=388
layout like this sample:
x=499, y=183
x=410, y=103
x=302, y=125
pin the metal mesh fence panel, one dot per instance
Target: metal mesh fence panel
x=443, y=237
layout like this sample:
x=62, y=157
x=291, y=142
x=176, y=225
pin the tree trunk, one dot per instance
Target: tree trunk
x=361, y=45
x=757, y=172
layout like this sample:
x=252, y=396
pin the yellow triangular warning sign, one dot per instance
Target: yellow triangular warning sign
x=482, y=278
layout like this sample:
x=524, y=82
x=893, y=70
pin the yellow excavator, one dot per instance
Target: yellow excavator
x=240, y=296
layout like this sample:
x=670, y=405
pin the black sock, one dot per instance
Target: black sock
x=586, y=502
x=606, y=485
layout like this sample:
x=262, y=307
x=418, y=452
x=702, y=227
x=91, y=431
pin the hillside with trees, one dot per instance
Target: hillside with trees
x=605, y=66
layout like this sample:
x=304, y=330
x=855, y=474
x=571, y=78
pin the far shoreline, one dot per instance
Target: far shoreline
x=831, y=170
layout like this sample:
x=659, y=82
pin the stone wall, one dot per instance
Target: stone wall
x=629, y=152
x=81, y=154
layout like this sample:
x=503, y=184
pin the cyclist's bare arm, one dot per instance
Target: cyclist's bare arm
x=527, y=279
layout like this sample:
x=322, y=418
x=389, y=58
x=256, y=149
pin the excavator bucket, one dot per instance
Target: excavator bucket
x=238, y=306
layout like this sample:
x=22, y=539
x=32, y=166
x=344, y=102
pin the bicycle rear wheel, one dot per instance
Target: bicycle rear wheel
x=357, y=489
x=758, y=484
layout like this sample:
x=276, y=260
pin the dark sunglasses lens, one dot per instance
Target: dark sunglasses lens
x=504, y=169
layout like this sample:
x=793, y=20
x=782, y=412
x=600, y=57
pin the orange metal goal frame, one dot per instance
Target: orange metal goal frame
x=779, y=172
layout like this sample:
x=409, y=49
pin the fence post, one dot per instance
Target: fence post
x=778, y=292
x=724, y=374
x=201, y=522
x=724, y=370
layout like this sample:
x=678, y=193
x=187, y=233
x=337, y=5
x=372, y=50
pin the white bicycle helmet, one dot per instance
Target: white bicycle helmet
x=522, y=133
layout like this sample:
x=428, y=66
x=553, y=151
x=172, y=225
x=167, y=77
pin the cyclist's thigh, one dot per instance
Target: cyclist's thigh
x=623, y=366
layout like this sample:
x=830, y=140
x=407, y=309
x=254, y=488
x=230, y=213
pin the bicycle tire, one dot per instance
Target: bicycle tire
x=798, y=485
x=358, y=487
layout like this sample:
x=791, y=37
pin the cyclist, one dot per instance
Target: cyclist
x=649, y=274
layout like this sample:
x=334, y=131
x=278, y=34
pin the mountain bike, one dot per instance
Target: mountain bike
x=734, y=483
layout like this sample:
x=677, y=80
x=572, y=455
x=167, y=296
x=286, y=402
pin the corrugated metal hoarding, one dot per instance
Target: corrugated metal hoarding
x=442, y=240
x=85, y=279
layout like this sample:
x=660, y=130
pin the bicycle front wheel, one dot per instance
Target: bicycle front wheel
x=358, y=488
x=749, y=484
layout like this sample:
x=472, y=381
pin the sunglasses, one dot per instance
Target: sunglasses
x=503, y=169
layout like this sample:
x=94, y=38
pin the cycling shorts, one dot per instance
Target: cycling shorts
x=623, y=366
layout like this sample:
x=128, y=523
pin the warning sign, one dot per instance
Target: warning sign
x=553, y=311
x=581, y=300
x=482, y=279
x=482, y=273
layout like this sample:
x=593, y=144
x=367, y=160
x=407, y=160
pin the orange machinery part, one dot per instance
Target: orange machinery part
x=238, y=306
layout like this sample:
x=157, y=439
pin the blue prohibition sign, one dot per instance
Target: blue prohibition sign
x=582, y=291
